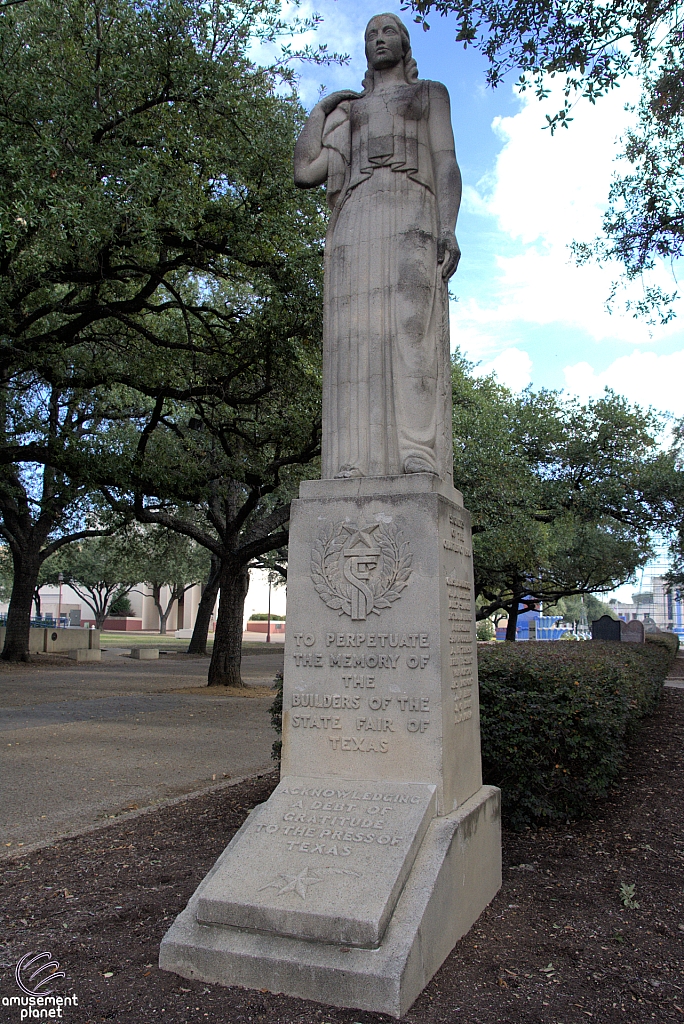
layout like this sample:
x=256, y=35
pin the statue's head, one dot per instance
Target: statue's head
x=388, y=44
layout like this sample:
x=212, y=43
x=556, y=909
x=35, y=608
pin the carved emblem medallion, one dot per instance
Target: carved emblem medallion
x=360, y=569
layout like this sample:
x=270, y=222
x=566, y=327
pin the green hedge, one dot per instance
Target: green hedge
x=670, y=641
x=276, y=712
x=556, y=719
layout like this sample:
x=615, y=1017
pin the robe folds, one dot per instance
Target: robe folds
x=386, y=385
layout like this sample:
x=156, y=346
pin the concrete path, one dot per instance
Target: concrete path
x=81, y=744
x=116, y=673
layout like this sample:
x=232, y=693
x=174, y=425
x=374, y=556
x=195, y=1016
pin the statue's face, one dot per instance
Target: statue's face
x=384, y=48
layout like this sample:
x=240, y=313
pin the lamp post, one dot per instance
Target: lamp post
x=268, y=627
x=60, y=577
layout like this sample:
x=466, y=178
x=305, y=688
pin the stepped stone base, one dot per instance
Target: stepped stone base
x=455, y=874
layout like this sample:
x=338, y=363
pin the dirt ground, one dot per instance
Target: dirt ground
x=557, y=945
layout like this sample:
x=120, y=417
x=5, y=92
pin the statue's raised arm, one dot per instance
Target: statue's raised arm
x=387, y=158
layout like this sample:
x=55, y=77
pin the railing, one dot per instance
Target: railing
x=43, y=621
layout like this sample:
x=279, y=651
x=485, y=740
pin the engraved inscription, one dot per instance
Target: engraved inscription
x=461, y=657
x=359, y=569
x=413, y=717
x=456, y=541
x=316, y=846
x=368, y=661
x=330, y=822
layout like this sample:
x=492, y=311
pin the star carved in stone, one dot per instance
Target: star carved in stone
x=293, y=883
x=360, y=534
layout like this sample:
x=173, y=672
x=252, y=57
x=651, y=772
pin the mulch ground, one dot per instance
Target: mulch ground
x=556, y=946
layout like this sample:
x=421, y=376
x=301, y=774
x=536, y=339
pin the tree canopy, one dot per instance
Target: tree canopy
x=565, y=497
x=591, y=45
x=100, y=570
x=156, y=258
x=164, y=558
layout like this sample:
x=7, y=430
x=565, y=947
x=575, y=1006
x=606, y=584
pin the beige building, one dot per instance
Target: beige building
x=71, y=607
x=655, y=600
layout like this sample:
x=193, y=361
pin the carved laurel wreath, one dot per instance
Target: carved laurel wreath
x=333, y=588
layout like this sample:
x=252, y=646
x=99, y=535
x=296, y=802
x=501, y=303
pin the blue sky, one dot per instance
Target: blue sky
x=524, y=309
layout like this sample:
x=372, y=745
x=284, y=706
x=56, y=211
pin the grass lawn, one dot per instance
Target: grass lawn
x=110, y=638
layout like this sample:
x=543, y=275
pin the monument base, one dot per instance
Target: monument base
x=455, y=874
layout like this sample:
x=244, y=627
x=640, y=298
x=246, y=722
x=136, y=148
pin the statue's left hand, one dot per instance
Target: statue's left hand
x=448, y=254
x=330, y=102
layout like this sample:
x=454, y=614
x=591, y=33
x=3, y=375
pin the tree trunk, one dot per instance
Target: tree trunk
x=198, y=642
x=224, y=669
x=512, y=626
x=163, y=615
x=26, y=568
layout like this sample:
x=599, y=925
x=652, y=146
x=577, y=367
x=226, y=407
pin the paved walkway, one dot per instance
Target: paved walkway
x=79, y=744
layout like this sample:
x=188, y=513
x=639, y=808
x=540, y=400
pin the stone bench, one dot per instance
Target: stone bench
x=145, y=653
x=85, y=654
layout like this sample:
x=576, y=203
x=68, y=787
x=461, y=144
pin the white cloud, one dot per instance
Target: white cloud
x=643, y=377
x=544, y=192
x=512, y=367
x=342, y=31
x=553, y=187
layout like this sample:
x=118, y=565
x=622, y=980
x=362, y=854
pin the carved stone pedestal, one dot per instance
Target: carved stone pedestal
x=380, y=847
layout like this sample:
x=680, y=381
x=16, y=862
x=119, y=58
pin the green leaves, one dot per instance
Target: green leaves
x=556, y=717
x=160, y=274
x=148, y=160
x=564, y=496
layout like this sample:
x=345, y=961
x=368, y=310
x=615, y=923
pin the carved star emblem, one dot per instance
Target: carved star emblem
x=293, y=883
x=360, y=534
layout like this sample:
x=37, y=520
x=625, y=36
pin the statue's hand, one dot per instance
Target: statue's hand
x=328, y=103
x=448, y=254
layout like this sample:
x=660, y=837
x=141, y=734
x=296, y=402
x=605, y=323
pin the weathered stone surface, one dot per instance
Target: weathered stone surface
x=632, y=632
x=85, y=654
x=145, y=653
x=456, y=874
x=380, y=678
x=380, y=696
x=321, y=861
x=369, y=487
x=387, y=157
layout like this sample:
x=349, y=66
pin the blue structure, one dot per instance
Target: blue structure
x=533, y=625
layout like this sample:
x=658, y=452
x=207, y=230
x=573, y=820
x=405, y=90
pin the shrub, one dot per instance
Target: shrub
x=556, y=719
x=120, y=608
x=263, y=617
x=276, y=711
x=670, y=641
x=484, y=630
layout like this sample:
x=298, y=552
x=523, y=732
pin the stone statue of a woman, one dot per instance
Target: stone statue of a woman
x=394, y=187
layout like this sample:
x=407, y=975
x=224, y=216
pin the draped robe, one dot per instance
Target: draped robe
x=386, y=382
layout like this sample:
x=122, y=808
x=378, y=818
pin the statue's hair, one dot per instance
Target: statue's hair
x=410, y=66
